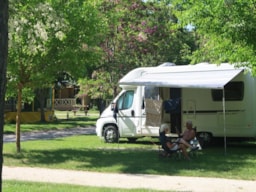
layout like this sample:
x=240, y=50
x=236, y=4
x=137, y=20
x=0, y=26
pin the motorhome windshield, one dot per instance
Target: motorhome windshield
x=125, y=100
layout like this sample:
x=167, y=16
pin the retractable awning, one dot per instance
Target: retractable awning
x=185, y=79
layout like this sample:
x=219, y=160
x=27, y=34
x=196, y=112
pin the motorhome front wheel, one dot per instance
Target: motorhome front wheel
x=110, y=134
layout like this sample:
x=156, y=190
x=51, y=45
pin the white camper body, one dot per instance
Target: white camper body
x=220, y=100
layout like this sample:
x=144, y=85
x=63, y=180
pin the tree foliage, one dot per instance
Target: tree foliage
x=226, y=29
x=139, y=33
x=51, y=37
x=79, y=52
x=33, y=26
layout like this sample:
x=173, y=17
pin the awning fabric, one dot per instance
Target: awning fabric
x=190, y=76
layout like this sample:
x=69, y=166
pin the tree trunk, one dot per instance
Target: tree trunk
x=42, y=95
x=3, y=66
x=18, y=116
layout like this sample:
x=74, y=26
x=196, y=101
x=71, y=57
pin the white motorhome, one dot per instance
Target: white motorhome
x=219, y=99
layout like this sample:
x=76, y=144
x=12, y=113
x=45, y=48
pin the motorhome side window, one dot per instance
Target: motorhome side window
x=125, y=101
x=234, y=91
x=151, y=92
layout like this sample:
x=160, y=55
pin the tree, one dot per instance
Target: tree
x=48, y=38
x=33, y=25
x=100, y=87
x=3, y=66
x=139, y=33
x=226, y=30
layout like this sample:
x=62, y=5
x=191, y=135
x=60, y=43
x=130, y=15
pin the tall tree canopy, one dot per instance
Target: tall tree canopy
x=226, y=29
x=139, y=33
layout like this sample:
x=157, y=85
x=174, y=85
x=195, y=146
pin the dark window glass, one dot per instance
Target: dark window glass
x=234, y=91
x=151, y=92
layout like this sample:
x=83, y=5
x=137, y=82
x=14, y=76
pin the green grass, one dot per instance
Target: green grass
x=91, y=154
x=10, y=186
x=78, y=120
x=88, y=152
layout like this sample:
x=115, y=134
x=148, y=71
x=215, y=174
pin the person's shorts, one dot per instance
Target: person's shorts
x=175, y=147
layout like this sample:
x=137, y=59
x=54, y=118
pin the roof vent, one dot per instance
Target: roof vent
x=166, y=64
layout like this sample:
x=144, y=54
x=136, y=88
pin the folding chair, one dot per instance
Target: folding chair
x=163, y=149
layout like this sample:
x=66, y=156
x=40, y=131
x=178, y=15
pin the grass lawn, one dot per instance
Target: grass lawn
x=65, y=119
x=89, y=153
x=10, y=186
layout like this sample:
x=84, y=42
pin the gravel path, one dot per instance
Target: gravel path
x=50, y=134
x=157, y=182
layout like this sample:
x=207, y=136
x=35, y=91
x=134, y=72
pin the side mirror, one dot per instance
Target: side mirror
x=113, y=106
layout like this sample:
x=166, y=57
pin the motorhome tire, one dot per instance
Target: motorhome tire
x=132, y=139
x=205, y=138
x=111, y=134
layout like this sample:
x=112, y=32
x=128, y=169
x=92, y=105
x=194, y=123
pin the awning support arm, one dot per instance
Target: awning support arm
x=224, y=120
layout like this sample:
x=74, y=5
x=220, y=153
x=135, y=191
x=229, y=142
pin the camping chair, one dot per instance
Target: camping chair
x=163, y=148
x=177, y=153
x=195, y=143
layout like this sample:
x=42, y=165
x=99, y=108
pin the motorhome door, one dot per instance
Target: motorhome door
x=175, y=116
x=125, y=116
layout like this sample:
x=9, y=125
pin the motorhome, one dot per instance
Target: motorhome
x=219, y=99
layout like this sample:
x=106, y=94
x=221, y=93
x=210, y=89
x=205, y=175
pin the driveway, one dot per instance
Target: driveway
x=50, y=134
